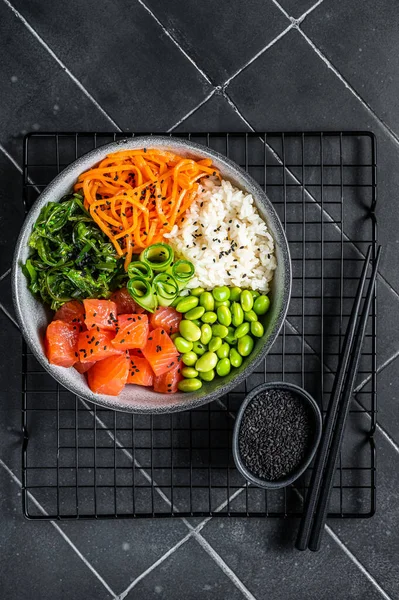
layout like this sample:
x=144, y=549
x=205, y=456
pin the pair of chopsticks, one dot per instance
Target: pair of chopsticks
x=316, y=507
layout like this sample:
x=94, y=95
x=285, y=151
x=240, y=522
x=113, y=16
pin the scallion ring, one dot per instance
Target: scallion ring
x=166, y=288
x=158, y=256
x=142, y=293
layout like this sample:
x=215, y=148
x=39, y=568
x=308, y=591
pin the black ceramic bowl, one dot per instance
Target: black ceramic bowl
x=315, y=428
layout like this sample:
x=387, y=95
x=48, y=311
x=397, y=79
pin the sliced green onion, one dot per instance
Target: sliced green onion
x=158, y=256
x=141, y=291
x=166, y=288
x=183, y=271
x=140, y=269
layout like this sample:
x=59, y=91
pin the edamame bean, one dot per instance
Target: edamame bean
x=206, y=334
x=231, y=336
x=176, y=301
x=183, y=345
x=246, y=301
x=207, y=362
x=174, y=336
x=242, y=330
x=220, y=330
x=199, y=348
x=257, y=329
x=223, y=367
x=235, y=293
x=237, y=314
x=189, y=358
x=221, y=293
x=207, y=375
x=223, y=351
x=245, y=345
x=261, y=305
x=195, y=313
x=187, y=304
x=215, y=344
x=235, y=358
x=250, y=316
x=196, y=322
x=224, y=315
x=254, y=293
x=189, y=385
x=209, y=317
x=197, y=291
x=207, y=301
x=224, y=303
x=189, y=330
x=189, y=372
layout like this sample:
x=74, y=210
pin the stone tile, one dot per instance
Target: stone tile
x=296, y=8
x=188, y=573
x=36, y=560
x=216, y=35
x=362, y=45
x=11, y=210
x=123, y=58
x=214, y=115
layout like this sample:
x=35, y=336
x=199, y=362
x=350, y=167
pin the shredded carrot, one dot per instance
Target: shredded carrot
x=136, y=196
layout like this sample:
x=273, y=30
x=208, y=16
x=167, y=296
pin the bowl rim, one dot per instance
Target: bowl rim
x=91, y=158
x=289, y=479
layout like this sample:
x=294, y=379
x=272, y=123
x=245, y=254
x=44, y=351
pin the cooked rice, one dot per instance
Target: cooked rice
x=225, y=238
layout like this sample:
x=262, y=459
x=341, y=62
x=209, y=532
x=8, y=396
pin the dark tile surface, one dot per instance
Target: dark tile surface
x=187, y=573
x=11, y=211
x=218, y=39
x=37, y=562
x=362, y=45
x=214, y=115
x=296, y=8
x=123, y=58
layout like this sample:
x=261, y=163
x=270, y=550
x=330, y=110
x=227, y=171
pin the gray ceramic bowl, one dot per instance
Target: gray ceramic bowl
x=315, y=426
x=33, y=317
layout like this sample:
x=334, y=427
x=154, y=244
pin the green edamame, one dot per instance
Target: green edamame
x=250, y=316
x=246, y=301
x=189, y=359
x=174, y=336
x=206, y=334
x=254, y=293
x=224, y=315
x=235, y=358
x=235, y=293
x=187, y=304
x=195, y=313
x=231, y=336
x=207, y=301
x=207, y=375
x=189, y=385
x=261, y=305
x=183, y=345
x=197, y=322
x=220, y=330
x=215, y=344
x=223, y=367
x=224, y=303
x=221, y=293
x=189, y=330
x=189, y=372
x=242, y=330
x=245, y=345
x=209, y=317
x=257, y=329
x=223, y=351
x=207, y=362
x=197, y=291
x=199, y=348
x=237, y=314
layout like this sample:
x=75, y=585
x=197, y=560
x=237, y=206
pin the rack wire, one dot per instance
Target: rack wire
x=82, y=461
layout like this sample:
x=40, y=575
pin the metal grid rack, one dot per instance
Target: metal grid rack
x=81, y=461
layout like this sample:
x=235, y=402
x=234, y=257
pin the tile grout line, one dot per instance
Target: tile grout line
x=11, y=158
x=19, y=16
x=60, y=531
x=308, y=12
x=356, y=561
x=192, y=111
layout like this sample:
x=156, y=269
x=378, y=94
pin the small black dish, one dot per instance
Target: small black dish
x=315, y=424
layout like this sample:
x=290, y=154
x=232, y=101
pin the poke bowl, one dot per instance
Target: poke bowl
x=219, y=183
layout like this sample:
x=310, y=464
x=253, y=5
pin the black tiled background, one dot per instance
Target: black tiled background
x=152, y=65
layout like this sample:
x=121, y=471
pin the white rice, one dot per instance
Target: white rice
x=220, y=216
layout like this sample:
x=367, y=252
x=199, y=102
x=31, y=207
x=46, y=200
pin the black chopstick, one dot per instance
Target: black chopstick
x=318, y=469
x=324, y=496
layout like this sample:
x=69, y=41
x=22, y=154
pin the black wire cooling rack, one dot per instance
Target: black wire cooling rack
x=81, y=461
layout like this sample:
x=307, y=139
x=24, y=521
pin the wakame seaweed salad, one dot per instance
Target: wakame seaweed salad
x=71, y=257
